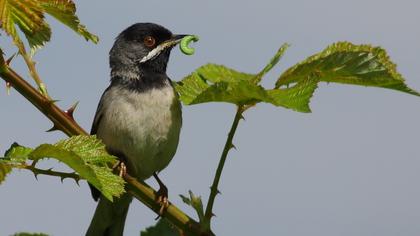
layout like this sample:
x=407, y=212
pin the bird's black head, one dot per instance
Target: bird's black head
x=142, y=47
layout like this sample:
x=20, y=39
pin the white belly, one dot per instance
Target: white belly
x=143, y=126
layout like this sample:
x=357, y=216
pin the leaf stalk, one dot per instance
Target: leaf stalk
x=49, y=172
x=31, y=67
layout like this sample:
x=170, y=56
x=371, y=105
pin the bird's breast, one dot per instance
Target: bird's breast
x=144, y=126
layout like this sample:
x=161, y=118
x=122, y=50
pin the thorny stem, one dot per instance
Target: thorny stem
x=228, y=145
x=66, y=124
x=60, y=119
x=37, y=171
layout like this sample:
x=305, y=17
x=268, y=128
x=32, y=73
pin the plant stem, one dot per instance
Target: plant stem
x=228, y=145
x=61, y=120
x=31, y=67
x=49, y=172
x=66, y=124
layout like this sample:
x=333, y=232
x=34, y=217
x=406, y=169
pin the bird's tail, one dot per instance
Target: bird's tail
x=109, y=218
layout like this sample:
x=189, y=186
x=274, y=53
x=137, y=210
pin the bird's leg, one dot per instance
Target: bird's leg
x=121, y=167
x=120, y=164
x=162, y=196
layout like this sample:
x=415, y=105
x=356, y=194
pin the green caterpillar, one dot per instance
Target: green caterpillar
x=184, y=45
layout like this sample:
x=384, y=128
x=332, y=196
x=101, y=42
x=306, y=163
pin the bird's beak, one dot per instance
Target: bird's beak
x=174, y=40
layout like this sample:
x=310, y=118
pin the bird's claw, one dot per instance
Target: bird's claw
x=162, y=197
x=121, y=167
x=163, y=201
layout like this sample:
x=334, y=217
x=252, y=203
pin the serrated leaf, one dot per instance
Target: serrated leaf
x=77, y=152
x=65, y=12
x=218, y=73
x=161, y=228
x=85, y=154
x=17, y=153
x=4, y=170
x=74, y=161
x=89, y=147
x=195, y=202
x=195, y=90
x=28, y=15
x=296, y=97
x=111, y=185
x=347, y=63
x=215, y=83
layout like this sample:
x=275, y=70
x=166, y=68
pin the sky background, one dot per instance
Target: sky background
x=349, y=168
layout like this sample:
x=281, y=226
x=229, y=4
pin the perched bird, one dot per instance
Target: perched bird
x=138, y=117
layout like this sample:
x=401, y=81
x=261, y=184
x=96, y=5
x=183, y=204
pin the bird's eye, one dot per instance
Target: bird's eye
x=149, y=41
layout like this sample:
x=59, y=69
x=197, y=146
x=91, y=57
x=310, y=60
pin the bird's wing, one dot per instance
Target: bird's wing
x=98, y=115
x=95, y=125
x=97, y=119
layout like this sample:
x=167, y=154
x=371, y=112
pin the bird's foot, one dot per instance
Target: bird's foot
x=122, y=168
x=162, y=196
x=162, y=200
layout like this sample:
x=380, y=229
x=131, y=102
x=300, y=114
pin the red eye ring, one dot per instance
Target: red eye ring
x=149, y=41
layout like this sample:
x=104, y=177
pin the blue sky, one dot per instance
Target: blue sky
x=348, y=168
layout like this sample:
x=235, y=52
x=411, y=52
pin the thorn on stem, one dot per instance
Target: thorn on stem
x=10, y=59
x=210, y=215
x=233, y=146
x=54, y=128
x=70, y=111
x=215, y=190
x=34, y=163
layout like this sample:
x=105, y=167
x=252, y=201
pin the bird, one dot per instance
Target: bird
x=139, y=116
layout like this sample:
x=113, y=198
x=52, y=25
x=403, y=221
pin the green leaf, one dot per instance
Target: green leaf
x=219, y=73
x=341, y=63
x=347, y=63
x=196, y=203
x=195, y=89
x=296, y=97
x=85, y=154
x=78, y=152
x=17, y=153
x=216, y=83
x=65, y=12
x=28, y=15
x=162, y=228
x=91, y=149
